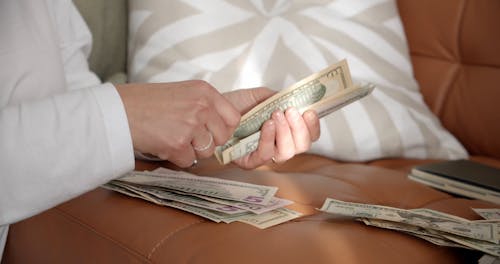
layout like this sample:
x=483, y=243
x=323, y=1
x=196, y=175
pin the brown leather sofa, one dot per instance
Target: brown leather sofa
x=455, y=48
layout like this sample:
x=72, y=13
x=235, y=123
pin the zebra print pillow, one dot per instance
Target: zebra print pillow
x=248, y=43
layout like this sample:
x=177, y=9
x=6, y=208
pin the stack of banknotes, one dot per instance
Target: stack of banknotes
x=216, y=199
x=324, y=92
x=436, y=227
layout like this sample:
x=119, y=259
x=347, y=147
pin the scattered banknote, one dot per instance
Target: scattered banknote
x=488, y=259
x=206, y=186
x=325, y=92
x=434, y=226
x=216, y=199
x=488, y=213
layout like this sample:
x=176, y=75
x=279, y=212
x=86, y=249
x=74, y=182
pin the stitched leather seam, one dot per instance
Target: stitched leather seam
x=418, y=54
x=459, y=28
x=441, y=97
x=84, y=225
x=171, y=235
x=444, y=95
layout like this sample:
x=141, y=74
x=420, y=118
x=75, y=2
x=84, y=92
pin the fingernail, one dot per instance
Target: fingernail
x=280, y=116
x=293, y=113
x=270, y=123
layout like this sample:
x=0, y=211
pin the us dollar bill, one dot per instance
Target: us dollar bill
x=183, y=198
x=269, y=219
x=488, y=259
x=430, y=235
x=227, y=201
x=324, y=92
x=274, y=203
x=208, y=214
x=484, y=246
x=479, y=231
x=492, y=214
x=397, y=226
x=207, y=186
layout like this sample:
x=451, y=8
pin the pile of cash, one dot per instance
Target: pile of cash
x=216, y=199
x=324, y=92
x=434, y=226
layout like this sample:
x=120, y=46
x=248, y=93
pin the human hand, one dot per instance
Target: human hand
x=179, y=121
x=282, y=136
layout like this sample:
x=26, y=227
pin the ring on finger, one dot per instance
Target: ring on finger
x=208, y=145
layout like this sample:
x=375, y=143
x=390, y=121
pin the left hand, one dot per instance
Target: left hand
x=283, y=136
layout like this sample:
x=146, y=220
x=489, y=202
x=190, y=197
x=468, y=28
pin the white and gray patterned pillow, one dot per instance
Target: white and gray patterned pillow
x=248, y=43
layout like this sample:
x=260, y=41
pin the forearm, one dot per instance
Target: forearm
x=57, y=148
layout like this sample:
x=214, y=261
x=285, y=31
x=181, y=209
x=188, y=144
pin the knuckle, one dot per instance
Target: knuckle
x=191, y=122
x=203, y=85
x=181, y=143
x=286, y=155
x=201, y=105
x=234, y=120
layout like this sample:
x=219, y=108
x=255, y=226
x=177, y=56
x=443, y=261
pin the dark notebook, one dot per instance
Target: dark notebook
x=465, y=171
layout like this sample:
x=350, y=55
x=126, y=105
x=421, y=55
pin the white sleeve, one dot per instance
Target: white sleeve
x=75, y=43
x=54, y=149
x=3, y=239
x=58, y=147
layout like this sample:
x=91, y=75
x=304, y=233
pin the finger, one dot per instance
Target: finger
x=221, y=132
x=181, y=157
x=245, y=99
x=285, y=146
x=312, y=121
x=203, y=143
x=264, y=152
x=300, y=132
x=256, y=96
x=229, y=114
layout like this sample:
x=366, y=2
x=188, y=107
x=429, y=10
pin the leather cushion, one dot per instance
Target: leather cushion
x=103, y=226
x=454, y=47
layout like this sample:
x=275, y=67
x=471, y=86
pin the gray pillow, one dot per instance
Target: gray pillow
x=108, y=22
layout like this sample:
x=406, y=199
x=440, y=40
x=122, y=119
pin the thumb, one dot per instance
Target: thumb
x=246, y=99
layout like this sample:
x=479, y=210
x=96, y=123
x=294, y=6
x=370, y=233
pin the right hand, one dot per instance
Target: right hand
x=168, y=119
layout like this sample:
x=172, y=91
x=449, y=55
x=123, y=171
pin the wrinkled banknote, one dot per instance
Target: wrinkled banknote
x=480, y=231
x=207, y=186
x=433, y=226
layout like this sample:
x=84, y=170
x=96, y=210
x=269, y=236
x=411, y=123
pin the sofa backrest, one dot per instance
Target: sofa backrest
x=455, y=49
x=108, y=22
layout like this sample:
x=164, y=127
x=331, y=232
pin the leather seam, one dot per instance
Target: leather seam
x=455, y=69
x=171, y=234
x=459, y=30
x=82, y=224
x=468, y=64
